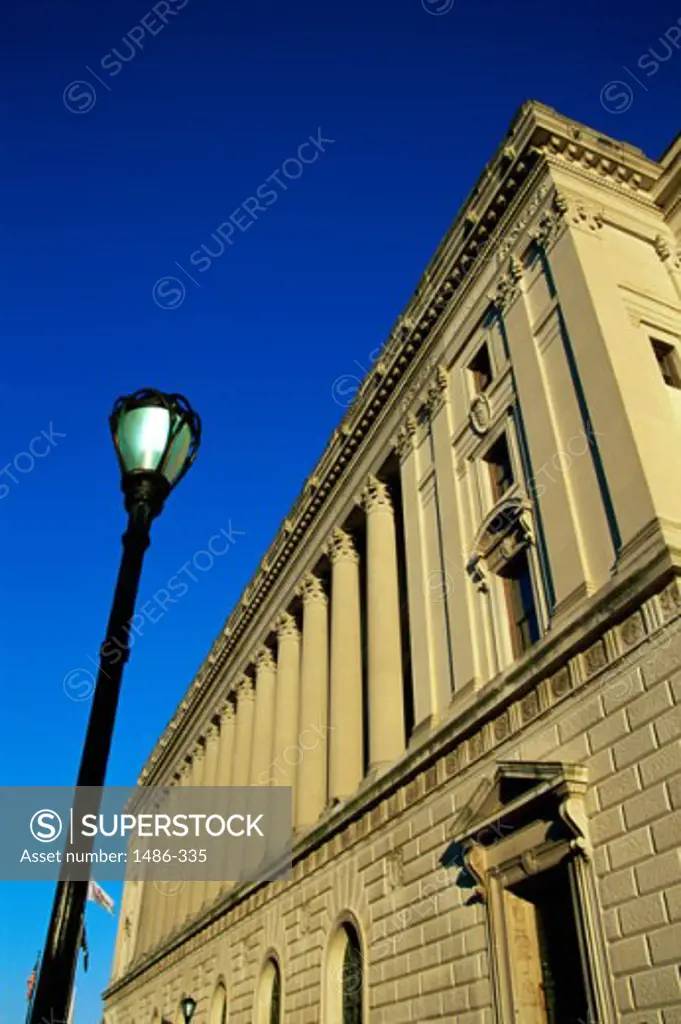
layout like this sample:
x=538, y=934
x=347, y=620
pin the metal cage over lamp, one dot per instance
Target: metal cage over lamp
x=156, y=437
x=188, y=1008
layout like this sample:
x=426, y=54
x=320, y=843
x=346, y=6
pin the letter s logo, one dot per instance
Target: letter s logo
x=46, y=826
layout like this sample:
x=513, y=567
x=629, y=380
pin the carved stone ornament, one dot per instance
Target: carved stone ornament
x=311, y=589
x=437, y=390
x=287, y=627
x=506, y=530
x=245, y=689
x=501, y=807
x=341, y=546
x=513, y=234
x=476, y=571
x=480, y=414
x=508, y=286
x=376, y=496
x=394, y=869
x=264, y=659
x=404, y=439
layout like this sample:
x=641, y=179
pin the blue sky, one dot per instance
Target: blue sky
x=115, y=171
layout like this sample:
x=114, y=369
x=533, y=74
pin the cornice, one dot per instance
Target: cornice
x=538, y=136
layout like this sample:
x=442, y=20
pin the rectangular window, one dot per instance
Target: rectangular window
x=480, y=368
x=498, y=458
x=668, y=363
x=522, y=613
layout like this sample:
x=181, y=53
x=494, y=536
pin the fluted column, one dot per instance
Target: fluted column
x=184, y=898
x=312, y=783
x=287, y=701
x=225, y=744
x=210, y=774
x=263, y=723
x=243, y=740
x=386, y=698
x=168, y=893
x=198, y=779
x=345, y=761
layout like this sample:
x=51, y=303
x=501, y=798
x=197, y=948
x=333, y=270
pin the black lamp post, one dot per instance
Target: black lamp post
x=188, y=1007
x=156, y=437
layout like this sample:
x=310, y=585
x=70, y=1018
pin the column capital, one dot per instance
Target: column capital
x=286, y=627
x=404, y=439
x=264, y=659
x=341, y=546
x=245, y=689
x=227, y=711
x=311, y=588
x=437, y=390
x=376, y=496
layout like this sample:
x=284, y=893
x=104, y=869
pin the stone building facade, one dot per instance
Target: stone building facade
x=463, y=649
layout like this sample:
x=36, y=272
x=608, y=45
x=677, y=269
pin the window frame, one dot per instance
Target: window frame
x=667, y=359
x=474, y=374
x=503, y=839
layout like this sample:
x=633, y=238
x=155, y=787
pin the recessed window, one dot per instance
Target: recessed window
x=667, y=360
x=480, y=369
x=345, y=978
x=268, y=1005
x=547, y=980
x=498, y=458
x=522, y=613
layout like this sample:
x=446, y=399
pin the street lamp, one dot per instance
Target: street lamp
x=188, y=1007
x=156, y=437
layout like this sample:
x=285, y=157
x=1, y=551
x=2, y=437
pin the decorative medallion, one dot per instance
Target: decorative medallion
x=529, y=706
x=632, y=630
x=670, y=600
x=501, y=727
x=394, y=869
x=480, y=414
x=560, y=683
x=594, y=658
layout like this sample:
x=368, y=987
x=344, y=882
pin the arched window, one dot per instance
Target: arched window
x=218, y=1010
x=344, y=978
x=269, y=994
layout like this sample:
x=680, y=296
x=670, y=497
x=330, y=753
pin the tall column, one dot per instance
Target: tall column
x=226, y=743
x=168, y=893
x=224, y=762
x=425, y=592
x=210, y=773
x=311, y=791
x=287, y=701
x=386, y=697
x=184, y=897
x=346, y=766
x=263, y=723
x=243, y=739
x=465, y=625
